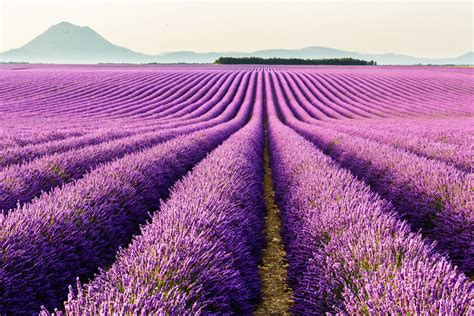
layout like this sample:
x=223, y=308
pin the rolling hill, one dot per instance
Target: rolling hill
x=71, y=44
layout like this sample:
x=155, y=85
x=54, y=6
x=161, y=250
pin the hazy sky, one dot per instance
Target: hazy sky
x=423, y=28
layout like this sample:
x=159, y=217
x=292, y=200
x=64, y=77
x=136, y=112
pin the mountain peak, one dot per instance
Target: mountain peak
x=64, y=23
x=68, y=27
x=66, y=36
x=65, y=42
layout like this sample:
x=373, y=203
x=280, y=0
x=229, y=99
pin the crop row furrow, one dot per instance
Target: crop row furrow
x=347, y=251
x=21, y=183
x=200, y=252
x=76, y=229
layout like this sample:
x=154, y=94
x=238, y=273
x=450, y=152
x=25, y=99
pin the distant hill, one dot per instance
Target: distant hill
x=69, y=43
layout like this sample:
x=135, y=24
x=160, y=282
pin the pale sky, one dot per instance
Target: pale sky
x=423, y=28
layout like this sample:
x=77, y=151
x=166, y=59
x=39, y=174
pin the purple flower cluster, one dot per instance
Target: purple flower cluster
x=372, y=169
x=76, y=229
x=458, y=156
x=17, y=155
x=431, y=195
x=347, y=251
x=200, y=252
x=11, y=138
x=21, y=183
x=448, y=130
x=304, y=106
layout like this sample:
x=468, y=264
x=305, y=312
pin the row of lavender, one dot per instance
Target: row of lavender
x=77, y=229
x=305, y=108
x=347, y=251
x=342, y=265
x=22, y=182
x=134, y=99
x=178, y=101
x=433, y=196
x=444, y=291
x=171, y=97
x=200, y=253
x=338, y=263
x=150, y=94
x=128, y=93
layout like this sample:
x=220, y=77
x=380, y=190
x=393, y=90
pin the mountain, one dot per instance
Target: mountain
x=314, y=52
x=192, y=57
x=69, y=43
x=466, y=59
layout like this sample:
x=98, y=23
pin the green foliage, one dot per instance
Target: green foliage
x=292, y=61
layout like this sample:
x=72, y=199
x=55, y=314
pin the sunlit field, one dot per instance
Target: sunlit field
x=148, y=189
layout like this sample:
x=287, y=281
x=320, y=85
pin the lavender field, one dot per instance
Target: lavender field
x=144, y=190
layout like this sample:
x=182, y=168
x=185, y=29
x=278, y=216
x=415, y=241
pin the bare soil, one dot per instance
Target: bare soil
x=276, y=294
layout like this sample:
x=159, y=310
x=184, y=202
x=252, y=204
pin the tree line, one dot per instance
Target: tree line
x=293, y=61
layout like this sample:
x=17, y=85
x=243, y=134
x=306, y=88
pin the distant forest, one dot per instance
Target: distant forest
x=292, y=61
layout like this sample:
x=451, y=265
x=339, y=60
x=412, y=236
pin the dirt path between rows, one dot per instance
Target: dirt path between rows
x=276, y=294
